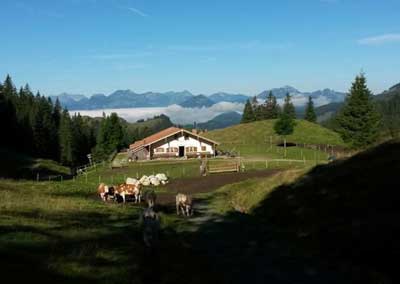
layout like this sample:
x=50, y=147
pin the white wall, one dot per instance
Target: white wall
x=189, y=142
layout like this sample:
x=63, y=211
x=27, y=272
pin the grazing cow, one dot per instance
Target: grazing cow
x=129, y=189
x=150, y=197
x=150, y=226
x=105, y=191
x=184, y=202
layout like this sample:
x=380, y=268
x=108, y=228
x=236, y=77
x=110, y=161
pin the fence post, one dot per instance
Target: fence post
x=137, y=175
x=266, y=164
x=304, y=160
x=37, y=177
x=99, y=179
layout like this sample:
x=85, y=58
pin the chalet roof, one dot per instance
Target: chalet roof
x=162, y=135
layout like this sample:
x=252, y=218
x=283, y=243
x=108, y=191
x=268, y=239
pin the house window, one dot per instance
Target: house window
x=172, y=150
x=159, y=150
x=191, y=149
x=203, y=148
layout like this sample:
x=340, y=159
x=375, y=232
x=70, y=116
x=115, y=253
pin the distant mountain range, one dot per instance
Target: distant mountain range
x=325, y=95
x=130, y=99
x=223, y=120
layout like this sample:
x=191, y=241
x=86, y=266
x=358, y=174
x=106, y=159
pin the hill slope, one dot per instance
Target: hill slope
x=259, y=132
x=345, y=211
x=339, y=219
x=141, y=129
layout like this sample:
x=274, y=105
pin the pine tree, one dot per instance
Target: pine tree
x=8, y=114
x=310, y=111
x=288, y=107
x=56, y=118
x=271, y=107
x=257, y=109
x=248, y=113
x=110, y=136
x=116, y=133
x=284, y=125
x=66, y=139
x=286, y=122
x=358, y=120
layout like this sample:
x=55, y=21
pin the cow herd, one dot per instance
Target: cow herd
x=149, y=219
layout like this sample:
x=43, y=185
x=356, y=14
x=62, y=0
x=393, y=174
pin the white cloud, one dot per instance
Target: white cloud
x=177, y=114
x=379, y=40
x=138, y=12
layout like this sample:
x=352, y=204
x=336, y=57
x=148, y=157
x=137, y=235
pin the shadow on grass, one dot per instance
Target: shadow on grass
x=337, y=224
x=92, y=247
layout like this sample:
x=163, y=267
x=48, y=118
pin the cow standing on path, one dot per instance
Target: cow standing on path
x=129, y=189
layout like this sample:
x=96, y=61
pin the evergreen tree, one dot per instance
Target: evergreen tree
x=288, y=107
x=116, y=133
x=8, y=114
x=284, y=125
x=310, y=111
x=43, y=128
x=66, y=139
x=286, y=122
x=271, y=107
x=358, y=119
x=248, y=113
x=56, y=118
x=110, y=136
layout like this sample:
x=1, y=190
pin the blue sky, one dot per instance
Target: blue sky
x=98, y=46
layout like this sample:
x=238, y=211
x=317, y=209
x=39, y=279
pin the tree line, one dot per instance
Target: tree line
x=270, y=109
x=35, y=125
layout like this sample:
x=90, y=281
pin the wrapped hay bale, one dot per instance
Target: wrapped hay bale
x=154, y=181
x=145, y=180
x=132, y=181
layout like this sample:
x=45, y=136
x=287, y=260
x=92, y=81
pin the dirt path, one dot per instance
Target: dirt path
x=206, y=184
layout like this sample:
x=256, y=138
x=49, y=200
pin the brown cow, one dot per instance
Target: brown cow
x=105, y=191
x=129, y=189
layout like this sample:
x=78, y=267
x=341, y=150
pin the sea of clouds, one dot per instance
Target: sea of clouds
x=176, y=113
x=181, y=115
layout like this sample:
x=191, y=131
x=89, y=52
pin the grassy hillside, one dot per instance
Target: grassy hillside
x=339, y=219
x=254, y=139
x=345, y=211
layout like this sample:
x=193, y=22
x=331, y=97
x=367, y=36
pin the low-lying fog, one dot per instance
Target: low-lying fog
x=181, y=115
x=177, y=114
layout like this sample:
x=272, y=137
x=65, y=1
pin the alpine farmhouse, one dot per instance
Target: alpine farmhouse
x=172, y=142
